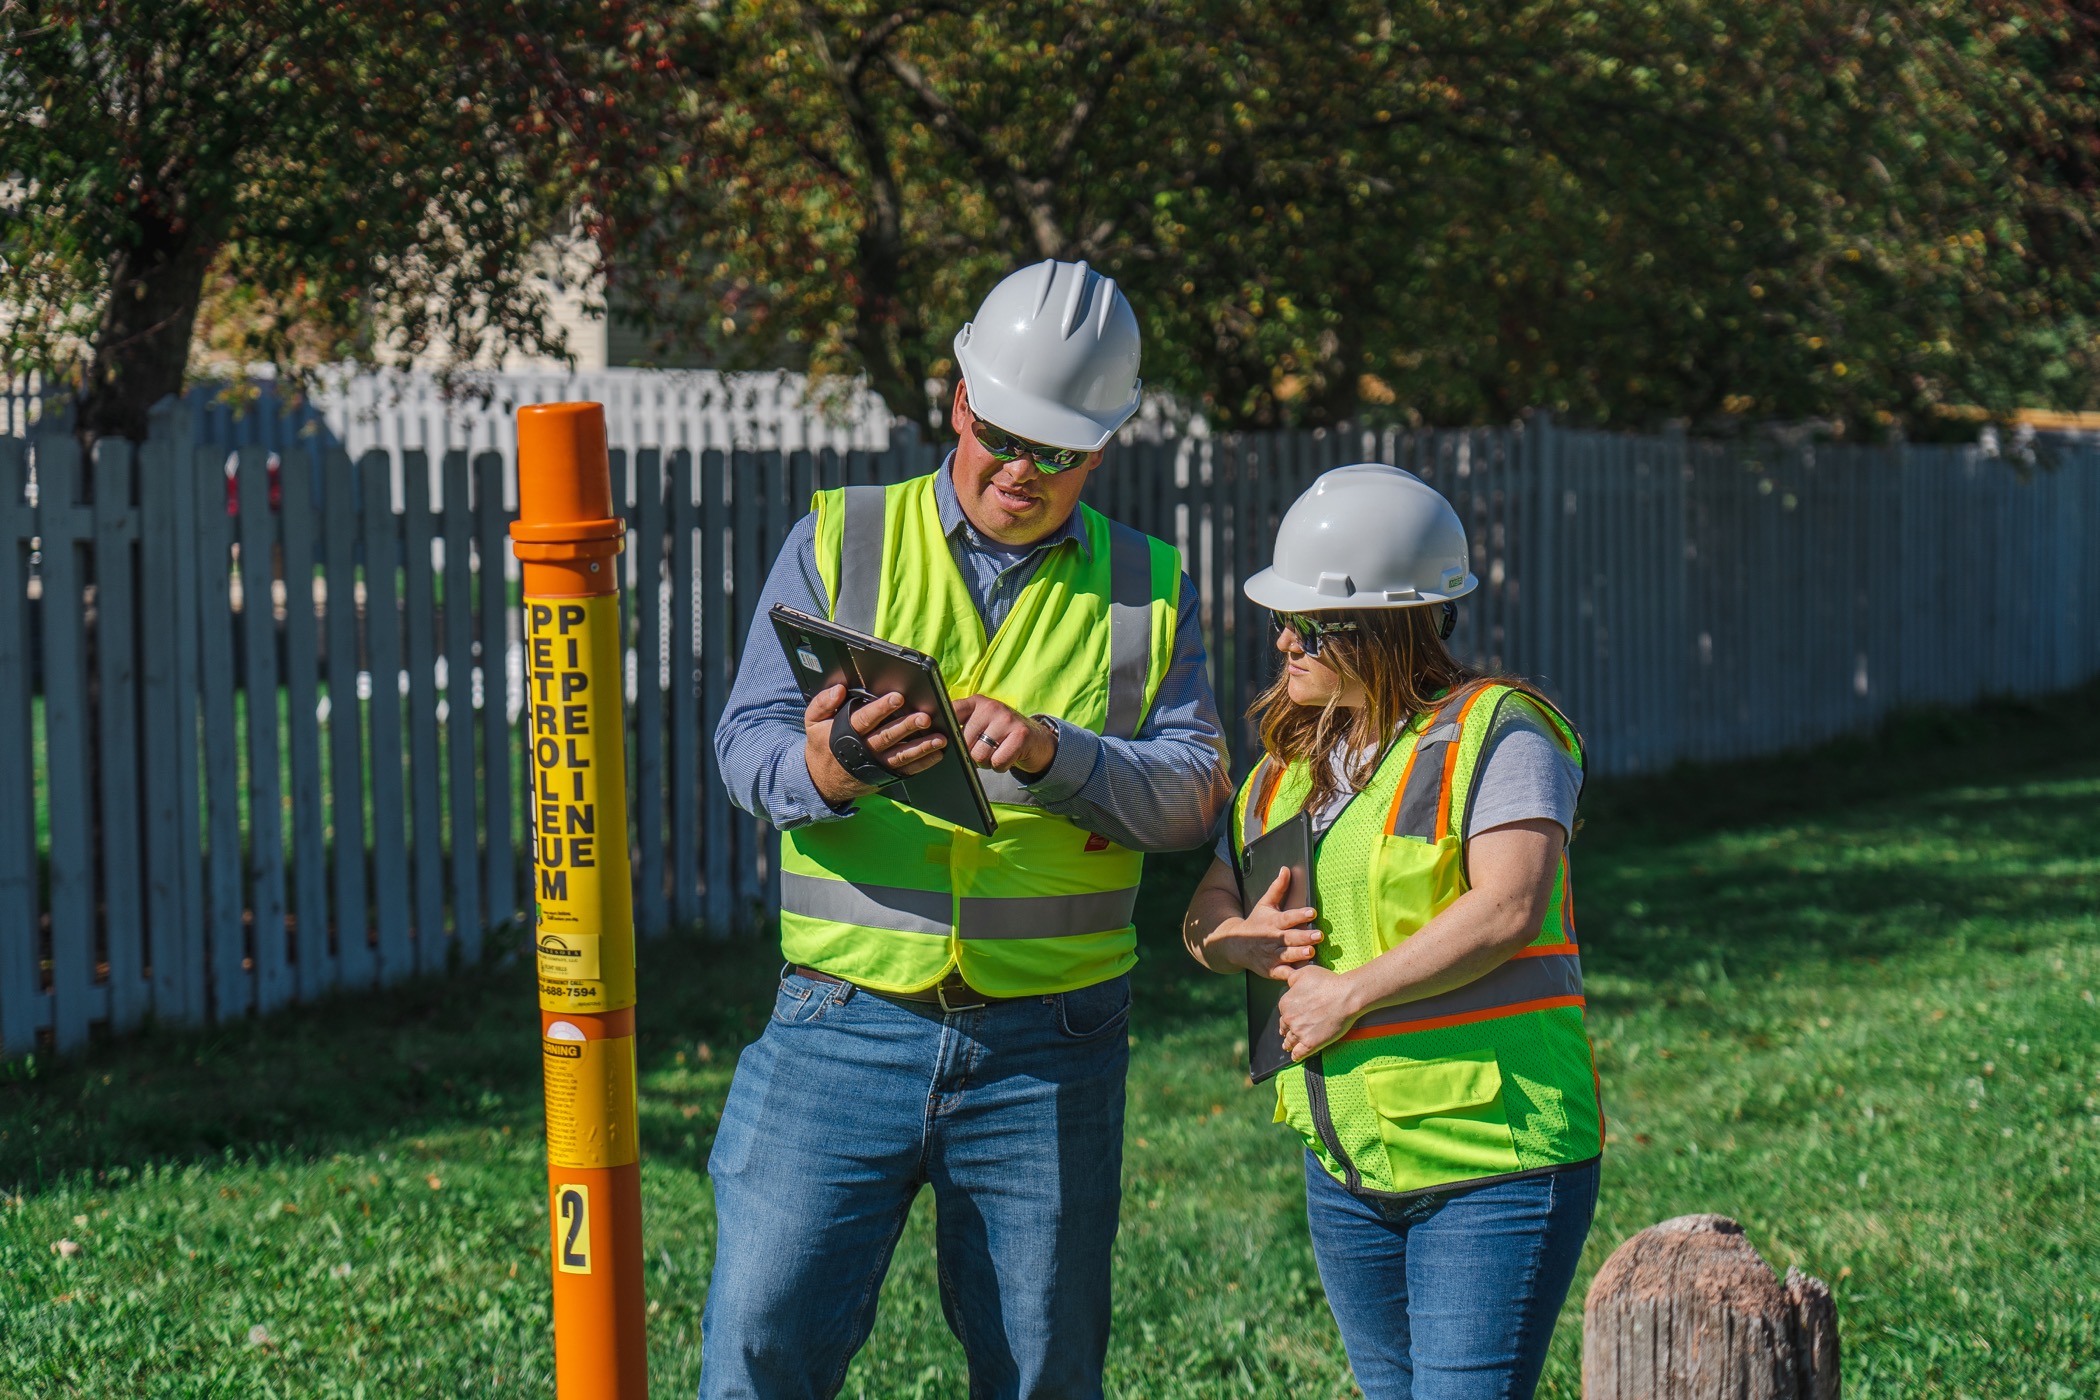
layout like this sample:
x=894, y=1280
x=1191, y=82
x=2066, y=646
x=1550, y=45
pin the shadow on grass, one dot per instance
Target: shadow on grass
x=438, y=1055
x=1916, y=752
x=427, y=1057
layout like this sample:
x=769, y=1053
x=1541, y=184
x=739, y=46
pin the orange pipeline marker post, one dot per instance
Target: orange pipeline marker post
x=568, y=541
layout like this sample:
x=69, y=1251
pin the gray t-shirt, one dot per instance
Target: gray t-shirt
x=1525, y=775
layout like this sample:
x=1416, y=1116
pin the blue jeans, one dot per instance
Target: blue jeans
x=842, y=1110
x=1451, y=1296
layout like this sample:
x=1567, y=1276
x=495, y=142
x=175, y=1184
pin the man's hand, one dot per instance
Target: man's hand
x=1270, y=940
x=891, y=739
x=1320, y=1005
x=999, y=737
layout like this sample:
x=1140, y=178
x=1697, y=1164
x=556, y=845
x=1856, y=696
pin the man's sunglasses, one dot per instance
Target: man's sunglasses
x=1005, y=447
x=1309, y=629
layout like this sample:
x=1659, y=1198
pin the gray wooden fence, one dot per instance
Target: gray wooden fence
x=259, y=708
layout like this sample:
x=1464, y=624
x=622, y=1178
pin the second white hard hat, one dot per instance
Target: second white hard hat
x=1052, y=356
x=1366, y=536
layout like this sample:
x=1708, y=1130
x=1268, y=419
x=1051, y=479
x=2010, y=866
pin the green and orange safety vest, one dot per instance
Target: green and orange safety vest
x=1489, y=1080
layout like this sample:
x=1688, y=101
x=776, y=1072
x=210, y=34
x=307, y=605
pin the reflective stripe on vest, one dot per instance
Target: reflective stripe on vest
x=929, y=911
x=860, y=557
x=1129, y=629
x=1536, y=978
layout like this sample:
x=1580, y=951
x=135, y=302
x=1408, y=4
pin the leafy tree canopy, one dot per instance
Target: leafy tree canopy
x=1626, y=212
x=340, y=177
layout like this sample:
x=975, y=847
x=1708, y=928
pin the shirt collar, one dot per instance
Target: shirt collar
x=953, y=519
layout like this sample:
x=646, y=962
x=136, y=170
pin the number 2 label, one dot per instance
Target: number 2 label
x=572, y=1229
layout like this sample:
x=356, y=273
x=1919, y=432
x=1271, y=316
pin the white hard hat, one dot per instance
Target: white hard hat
x=1366, y=536
x=1053, y=356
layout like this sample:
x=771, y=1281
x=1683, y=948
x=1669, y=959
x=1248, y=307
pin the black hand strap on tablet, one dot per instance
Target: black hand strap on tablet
x=852, y=751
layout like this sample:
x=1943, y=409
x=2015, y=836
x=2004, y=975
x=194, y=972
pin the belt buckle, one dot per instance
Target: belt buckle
x=940, y=994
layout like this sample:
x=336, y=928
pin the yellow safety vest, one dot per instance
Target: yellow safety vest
x=1489, y=1080
x=894, y=899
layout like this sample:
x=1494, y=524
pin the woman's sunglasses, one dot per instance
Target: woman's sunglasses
x=1309, y=629
x=1005, y=447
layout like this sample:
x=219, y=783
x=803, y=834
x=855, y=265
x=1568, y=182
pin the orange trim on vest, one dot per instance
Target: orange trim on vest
x=1466, y=1018
x=1547, y=950
x=1271, y=785
x=1443, y=801
x=1392, y=813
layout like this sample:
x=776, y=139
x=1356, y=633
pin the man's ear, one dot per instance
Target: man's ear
x=959, y=409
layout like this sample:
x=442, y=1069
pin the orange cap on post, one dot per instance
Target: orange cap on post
x=565, y=523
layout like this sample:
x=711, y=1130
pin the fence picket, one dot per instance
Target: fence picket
x=716, y=648
x=1249, y=634
x=500, y=882
x=20, y=978
x=193, y=1004
x=382, y=542
x=684, y=773
x=302, y=667
x=346, y=763
x=772, y=474
x=748, y=572
x=64, y=528
x=616, y=465
x=647, y=796
x=226, y=906
x=460, y=765
x=258, y=542
x=166, y=862
x=426, y=840
x=116, y=737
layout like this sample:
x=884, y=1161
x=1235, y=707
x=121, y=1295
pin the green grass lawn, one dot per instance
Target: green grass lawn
x=1847, y=998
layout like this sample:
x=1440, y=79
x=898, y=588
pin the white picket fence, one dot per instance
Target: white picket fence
x=693, y=409
x=161, y=853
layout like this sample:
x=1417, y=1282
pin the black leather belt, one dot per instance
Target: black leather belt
x=951, y=993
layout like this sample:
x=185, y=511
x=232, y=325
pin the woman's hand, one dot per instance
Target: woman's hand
x=1320, y=1005
x=1270, y=940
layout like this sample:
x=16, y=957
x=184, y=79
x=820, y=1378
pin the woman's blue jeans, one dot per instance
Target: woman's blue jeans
x=1451, y=1296
x=842, y=1110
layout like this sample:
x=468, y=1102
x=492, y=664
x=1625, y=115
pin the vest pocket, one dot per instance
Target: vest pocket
x=1412, y=881
x=1441, y=1120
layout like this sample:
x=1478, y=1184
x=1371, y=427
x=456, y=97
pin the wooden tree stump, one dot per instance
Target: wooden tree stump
x=1688, y=1310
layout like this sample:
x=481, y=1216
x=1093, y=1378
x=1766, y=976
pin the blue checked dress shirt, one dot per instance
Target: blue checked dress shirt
x=1161, y=791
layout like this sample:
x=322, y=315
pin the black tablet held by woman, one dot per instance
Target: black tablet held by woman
x=1288, y=846
x=823, y=654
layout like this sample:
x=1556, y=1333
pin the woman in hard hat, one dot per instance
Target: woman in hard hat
x=1442, y=1080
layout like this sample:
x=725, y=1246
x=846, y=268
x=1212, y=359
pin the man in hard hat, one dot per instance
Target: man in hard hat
x=952, y=1010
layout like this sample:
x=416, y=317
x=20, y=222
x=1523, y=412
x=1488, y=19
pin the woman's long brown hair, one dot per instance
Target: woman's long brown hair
x=1402, y=664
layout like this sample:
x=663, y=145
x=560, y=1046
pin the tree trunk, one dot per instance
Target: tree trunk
x=142, y=347
x=1688, y=1310
x=886, y=332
